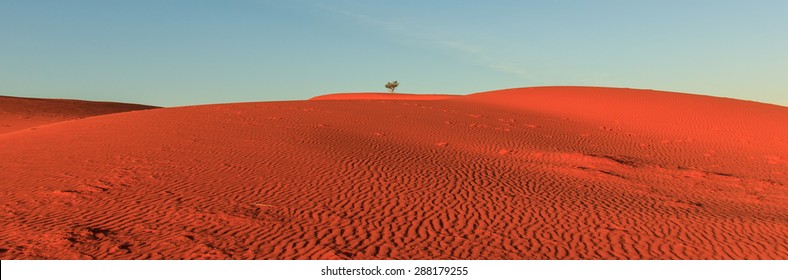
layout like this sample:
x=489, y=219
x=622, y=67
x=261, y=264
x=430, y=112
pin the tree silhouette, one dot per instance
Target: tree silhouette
x=391, y=86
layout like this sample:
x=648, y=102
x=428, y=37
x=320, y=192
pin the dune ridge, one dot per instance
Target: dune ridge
x=381, y=96
x=532, y=173
x=17, y=113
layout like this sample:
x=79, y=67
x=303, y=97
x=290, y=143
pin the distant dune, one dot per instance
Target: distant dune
x=531, y=173
x=382, y=96
x=19, y=113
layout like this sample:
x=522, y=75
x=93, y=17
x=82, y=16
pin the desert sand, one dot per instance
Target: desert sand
x=530, y=173
x=21, y=113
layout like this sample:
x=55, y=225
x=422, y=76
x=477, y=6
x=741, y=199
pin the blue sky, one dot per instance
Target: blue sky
x=173, y=53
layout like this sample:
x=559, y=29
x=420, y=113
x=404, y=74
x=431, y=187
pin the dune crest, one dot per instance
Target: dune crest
x=535, y=173
x=382, y=96
x=17, y=113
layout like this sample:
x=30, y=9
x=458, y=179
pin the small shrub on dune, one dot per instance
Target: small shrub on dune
x=391, y=86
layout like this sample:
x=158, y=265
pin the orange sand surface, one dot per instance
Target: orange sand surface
x=20, y=113
x=382, y=96
x=531, y=173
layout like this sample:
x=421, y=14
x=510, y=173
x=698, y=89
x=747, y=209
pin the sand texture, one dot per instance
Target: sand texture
x=532, y=173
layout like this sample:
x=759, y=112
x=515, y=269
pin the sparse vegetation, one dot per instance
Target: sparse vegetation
x=392, y=85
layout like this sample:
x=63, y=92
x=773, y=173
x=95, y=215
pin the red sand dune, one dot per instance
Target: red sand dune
x=20, y=113
x=382, y=96
x=535, y=173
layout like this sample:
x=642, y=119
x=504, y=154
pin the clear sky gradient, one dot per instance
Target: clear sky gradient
x=170, y=53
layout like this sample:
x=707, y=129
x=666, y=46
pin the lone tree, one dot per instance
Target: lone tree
x=391, y=86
